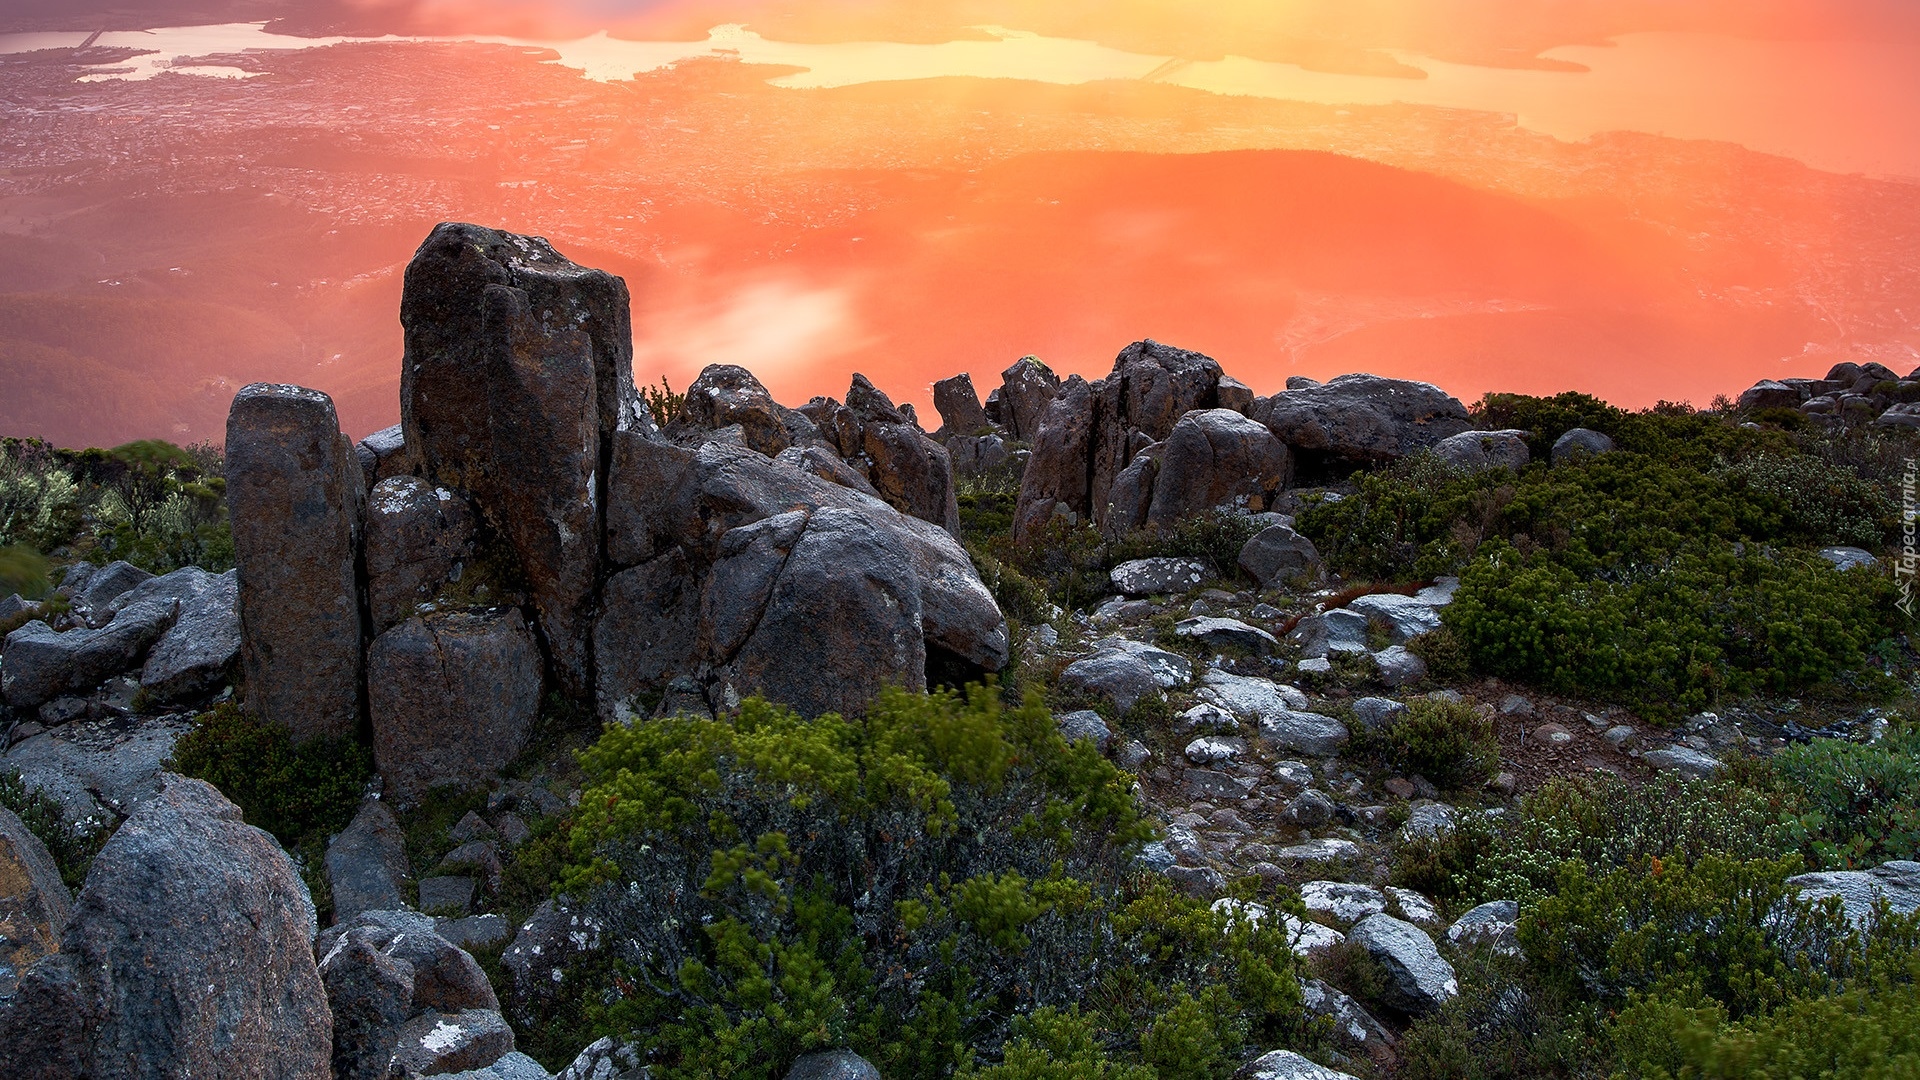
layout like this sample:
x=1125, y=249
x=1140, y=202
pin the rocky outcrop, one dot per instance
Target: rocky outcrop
x=295, y=494
x=1896, y=884
x=1056, y=481
x=406, y=1002
x=367, y=862
x=1214, y=459
x=419, y=539
x=833, y=1065
x=1359, y=420
x=958, y=404
x=34, y=903
x=1027, y=390
x=39, y=663
x=188, y=954
x=1577, y=443
x=1477, y=450
x=452, y=697
x=1418, y=980
x=1850, y=393
x=198, y=654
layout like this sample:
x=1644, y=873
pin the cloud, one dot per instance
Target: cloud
x=778, y=326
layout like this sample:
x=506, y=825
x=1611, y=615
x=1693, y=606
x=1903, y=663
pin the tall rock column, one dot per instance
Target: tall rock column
x=295, y=494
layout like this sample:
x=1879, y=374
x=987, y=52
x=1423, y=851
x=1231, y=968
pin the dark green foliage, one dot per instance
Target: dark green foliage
x=1445, y=655
x=1856, y=805
x=151, y=503
x=1503, y=1026
x=1214, y=538
x=943, y=884
x=1450, y=744
x=663, y=403
x=290, y=791
x=1870, y=1033
x=72, y=845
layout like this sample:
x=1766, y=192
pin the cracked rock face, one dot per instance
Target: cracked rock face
x=453, y=697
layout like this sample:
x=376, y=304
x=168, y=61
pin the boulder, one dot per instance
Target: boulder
x=1353, y=1026
x=1341, y=630
x=1158, y=576
x=1310, y=809
x=39, y=663
x=1896, y=883
x=725, y=395
x=1277, y=555
x=367, y=862
x=907, y=468
x=383, y=454
x=833, y=1065
x=1903, y=415
x=1847, y=558
x=1688, y=762
x=1217, y=458
x=605, y=1058
x=1769, y=394
x=435, y=1043
x=1418, y=980
x=198, y=654
x=1221, y=633
x=826, y=465
x=93, y=602
x=1345, y=903
x=959, y=406
x=543, y=949
x=98, y=770
x=1358, y=420
x=1151, y=387
x=189, y=953
x=650, y=498
x=1495, y=923
x=294, y=491
x=1578, y=443
x=973, y=455
x=648, y=627
x=1055, y=483
x=1376, y=714
x=34, y=903
x=1026, y=390
x=1304, y=732
x=447, y=893
x=1287, y=1065
x=1124, y=671
x=419, y=539
x=1233, y=394
x=406, y=1001
x=1406, y=617
x=452, y=696
x=1399, y=666
x=1085, y=724
x=1477, y=450
x=1248, y=698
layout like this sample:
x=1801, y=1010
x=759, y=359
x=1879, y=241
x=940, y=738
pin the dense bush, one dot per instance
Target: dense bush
x=151, y=503
x=1447, y=742
x=943, y=885
x=1857, y=805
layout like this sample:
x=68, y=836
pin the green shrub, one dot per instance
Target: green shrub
x=1857, y=805
x=1449, y=743
x=72, y=844
x=290, y=791
x=151, y=503
x=1445, y=655
x=1863, y=1034
x=911, y=884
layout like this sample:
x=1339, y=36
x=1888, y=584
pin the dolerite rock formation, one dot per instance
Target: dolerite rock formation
x=406, y=1002
x=188, y=954
x=958, y=404
x=1217, y=458
x=453, y=697
x=1358, y=420
x=295, y=494
x=726, y=396
x=419, y=539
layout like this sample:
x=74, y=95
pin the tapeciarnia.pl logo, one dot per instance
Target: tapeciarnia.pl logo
x=1909, y=537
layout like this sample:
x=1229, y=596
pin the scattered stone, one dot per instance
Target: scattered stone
x=1413, y=906
x=1287, y=1065
x=1318, y=851
x=1206, y=718
x=1219, y=633
x=470, y=828
x=1847, y=558
x=1085, y=724
x=1310, y=809
x=1343, y=902
x=1897, y=883
x=1211, y=750
x=605, y=1059
x=1329, y=632
x=1399, y=666
x=1688, y=762
x=435, y=1043
x=1352, y=1024
x=1495, y=923
x=1428, y=818
x=446, y=894
x=1418, y=980
x=473, y=931
x=1306, y=938
x=1209, y=784
x=1199, y=881
x=1304, y=732
x=367, y=862
x=480, y=856
x=1504, y=783
x=1278, y=554
x=1553, y=735
x=295, y=495
x=453, y=697
x=1618, y=735
x=833, y=1065
x=38, y=663
x=1515, y=705
x=1314, y=665
x=189, y=953
x=1123, y=671
x=1578, y=443
x=511, y=1066
x=1293, y=774
x=1406, y=617
x=1249, y=698
x=1477, y=450
x=1133, y=755
x=98, y=770
x=1376, y=714
x=34, y=903
x=94, y=601
x=1158, y=576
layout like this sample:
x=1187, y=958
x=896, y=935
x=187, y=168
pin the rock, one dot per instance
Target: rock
x=1155, y=857
x=449, y=893
x=648, y=629
x=1495, y=923
x=973, y=455
x=725, y=395
x=1124, y=671
x=1346, y=904
x=471, y=827
x=1353, y=1026
x=1376, y=714
x=549, y=942
x=384, y=454
x=510, y=1066
x=98, y=770
x=1308, y=938
x=444, y=976
x=959, y=405
x=1157, y=576
x=1027, y=389
x=1413, y=906
x=103, y=587
x=453, y=697
x=1213, y=784
x=434, y=1043
x=1579, y=442
x=1769, y=394
x=1477, y=450
x=1399, y=666
x=1304, y=732
x=1361, y=419
x=1618, y=736
x=11, y=606
x=1055, y=482
x=1310, y=809
x=39, y=663
x=1277, y=554
x=1211, y=750
x=1688, y=762
x=1206, y=719
x=1133, y=755
x=1233, y=394
x=1903, y=415
x=1198, y=881
x=605, y=1059
x=34, y=903
x=1287, y=1065
x=1515, y=705
x=1085, y=724
x=480, y=856
x=1217, y=458
x=1418, y=980
x=474, y=931
x=1405, y=617
x=370, y=995
x=1293, y=774
x=1428, y=817
x=1847, y=558
x=1329, y=632
x=1226, y=633
x=367, y=862
x=200, y=652
x=1315, y=852
x=833, y=1065
x=419, y=539
x=294, y=492
x=1897, y=883
x=1503, y=783
x=824, y=464
x=188, y=954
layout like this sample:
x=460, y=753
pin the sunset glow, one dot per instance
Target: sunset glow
x=1643, y=200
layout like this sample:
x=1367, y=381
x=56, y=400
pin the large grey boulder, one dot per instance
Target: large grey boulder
x=1477, y=450
x=406, y=1001
x=38, y=663
x=198, y=654
x=1055, y=483
x=1341, y=630
x=1151, y=387
x=833, y=1065
x=1897, y=883
x=1685, y=760
x=367, y=862
x=1158, y=575
x=1770, y=394
x=1305, y=732
x=189, y=954
x=295, y=495
x=1287, y=1065
x=453, y=697
x=419, y=539
x=94, y=602
x=1123, y=671
x=98, y=770
x=34, y=903
x=384, y=454
x=1494, y=923
x=1027, y=388
x=1357, y=420
x=1418, y=980
x=1577, y=443
x=1277, y=554
x=909, y=470
x=1405, y=617
x=1217, y=458
x=958, y=404
x=1353, y=1026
